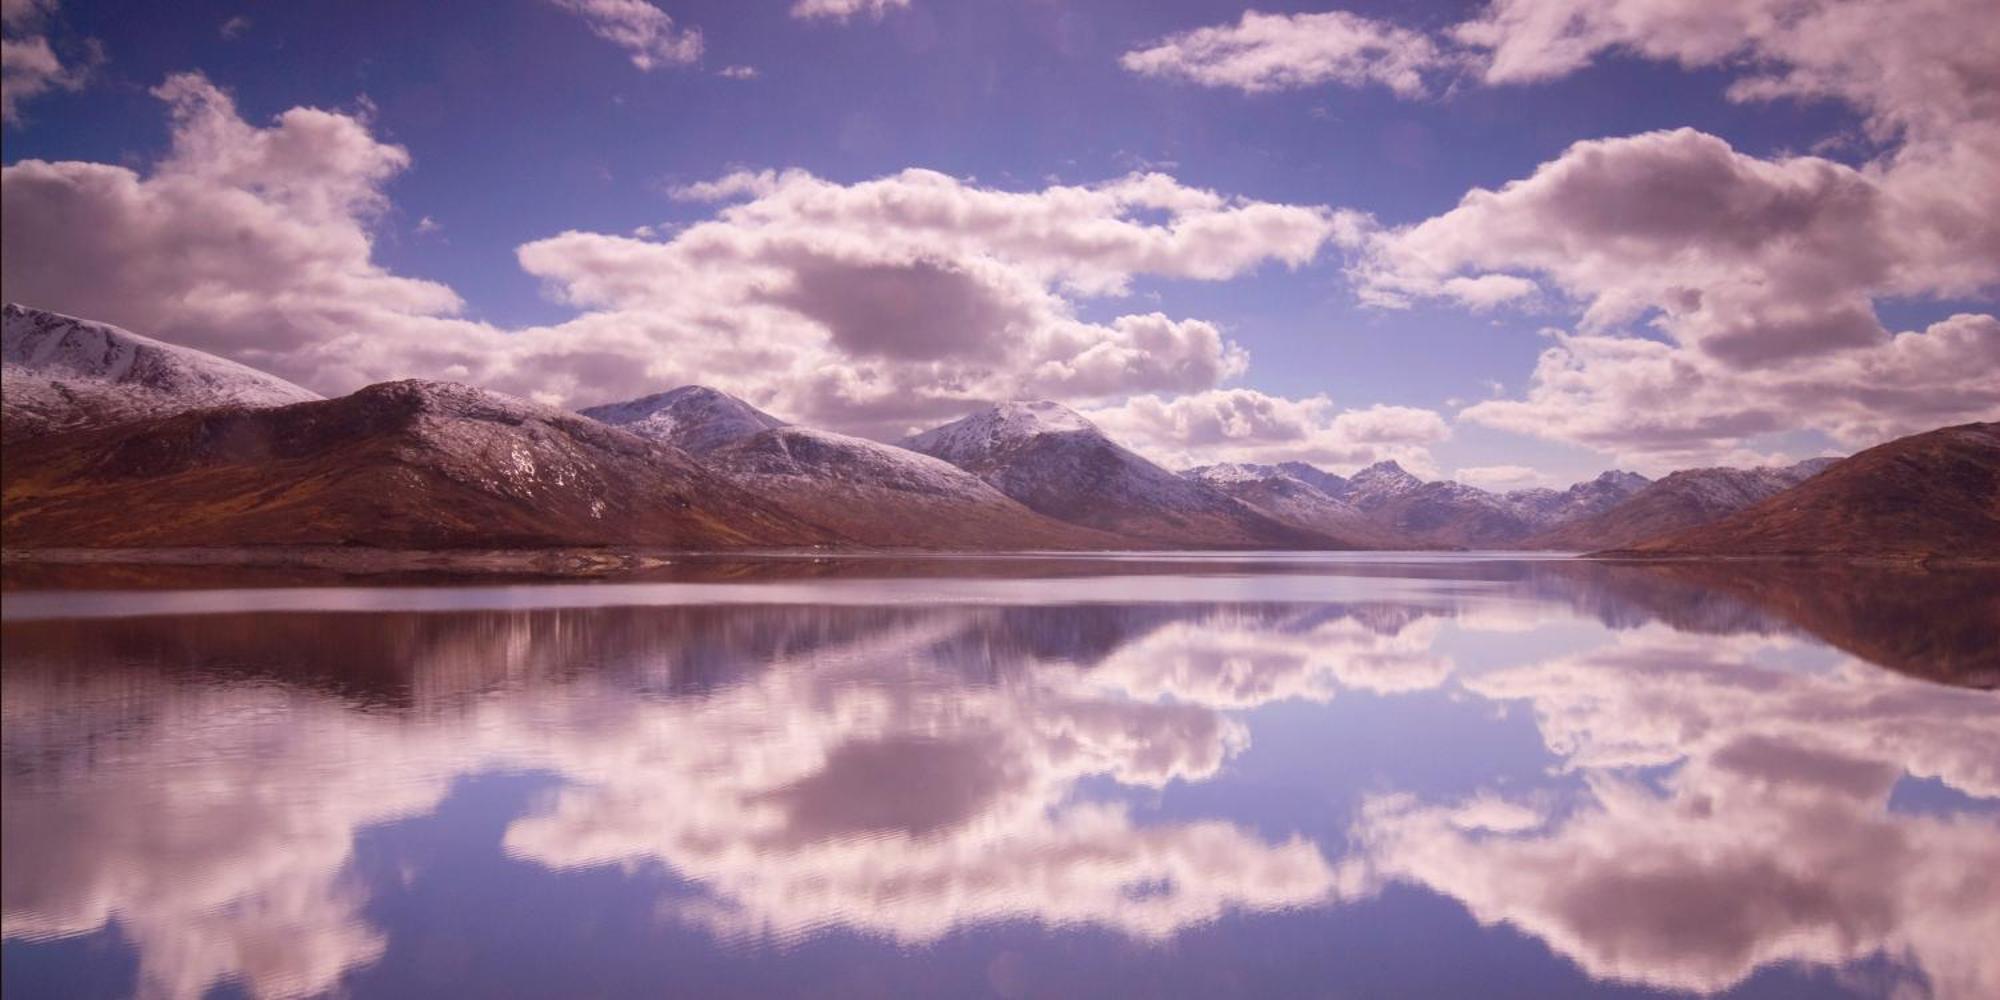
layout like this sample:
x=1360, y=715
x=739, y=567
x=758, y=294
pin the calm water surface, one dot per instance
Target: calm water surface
x=1198, y=776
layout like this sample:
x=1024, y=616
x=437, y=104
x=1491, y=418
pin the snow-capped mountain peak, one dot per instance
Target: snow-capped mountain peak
x=999, y=427
x=1316, y=477
x=63, y=372
x=694, y=418
x=1383, y=479
x=1234, y=472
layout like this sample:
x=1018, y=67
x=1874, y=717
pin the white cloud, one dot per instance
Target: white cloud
x=915, y=296
x=1660, y=406
x=1265, y=52
x=729, y=187
x=1246, y=425
x=867, y=306
x=1921, y=67
x=1751, y=260
x=841, y=10
x=234, y=27
x=29, y=65
x=1759, y=278
x=251, y=242
x=738, y=72
x=644, y=31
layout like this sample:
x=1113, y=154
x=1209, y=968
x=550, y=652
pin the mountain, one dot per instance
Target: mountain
x=1885, y=612
x=62, y=373
x=1546, y=508
x=401, y=465
x=1315, y=477
x=867, y=492
x=693, y=418
x=1433, y=514
x=1377, y=486
x=1385, y=506
x=1275, y=491
x=1929, y=495
x=1684, y=499
x=1055, y=462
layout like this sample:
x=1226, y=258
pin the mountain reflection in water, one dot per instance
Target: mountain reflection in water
x=1209, y=776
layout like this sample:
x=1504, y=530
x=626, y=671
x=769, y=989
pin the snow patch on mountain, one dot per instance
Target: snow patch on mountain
x=63, y=373
x=1378, y=484
x=999, y=428
x=693, y=418
x=816, y=456
x=1054, y=461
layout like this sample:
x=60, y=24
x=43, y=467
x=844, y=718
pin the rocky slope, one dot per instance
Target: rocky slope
x=865, y=491
x=61, y=373
x=420, y=465
x=1440, y=514
x=1384, y=506
x=1313, y=476
x=1547, y=508
x=1275, y=491
x=1931, y=495
x=1055, y=462
x=693, y=418
x=1682, y=500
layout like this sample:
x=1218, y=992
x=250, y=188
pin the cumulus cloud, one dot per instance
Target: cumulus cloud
x=29, y=65
x=1771, y=840
x=1927, y=66
x=648, y=36
x=1265, y=52
x=841, y=10
x=250, y=242
x=915, y=296
x=1246, y=425
x=1722, y=295
x=1751, y=260
x=868, y=307
x=1659, y=406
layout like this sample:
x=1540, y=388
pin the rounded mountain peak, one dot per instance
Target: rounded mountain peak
x=695, y=418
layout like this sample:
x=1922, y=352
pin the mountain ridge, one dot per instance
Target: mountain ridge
x=1056, y=462
x=411, y=464
x=1680, y=500
x=61, y=373
x=869, y=492
x=1928, y=496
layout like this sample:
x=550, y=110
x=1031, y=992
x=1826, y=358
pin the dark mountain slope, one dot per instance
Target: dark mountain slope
x=398, y=465
x=1931, y=495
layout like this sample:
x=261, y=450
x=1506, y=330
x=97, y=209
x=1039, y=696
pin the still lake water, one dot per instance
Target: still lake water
x=1203, y=776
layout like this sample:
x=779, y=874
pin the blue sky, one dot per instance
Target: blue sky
x=521, y=123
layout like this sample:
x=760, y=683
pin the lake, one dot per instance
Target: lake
x=1197, y=776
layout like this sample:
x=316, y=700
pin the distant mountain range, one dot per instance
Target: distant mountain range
x=1054, y=461
x=116, y=440
x=865, y=492
x=1931, y=495
x=1685, y=499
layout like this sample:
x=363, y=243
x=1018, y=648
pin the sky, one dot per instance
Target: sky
x=1515, y=242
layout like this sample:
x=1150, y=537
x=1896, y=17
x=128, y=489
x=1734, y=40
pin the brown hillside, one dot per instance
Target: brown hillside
x=419, y=465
